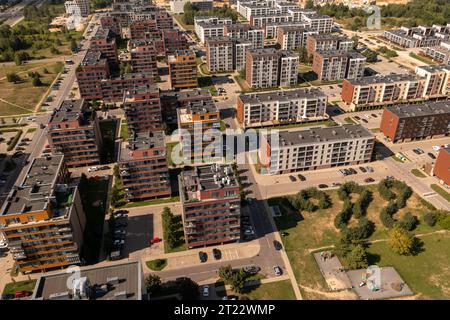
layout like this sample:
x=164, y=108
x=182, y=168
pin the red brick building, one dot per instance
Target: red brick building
x=89, y=74
x=211, y=205
x=143, y=167
x=174, y=40
x=144, y=29
x=105, y=42
x=114, y=89
x=143, y=57
x=74, y=131
x=143, y=109
x=442, y=166
x=183, y=69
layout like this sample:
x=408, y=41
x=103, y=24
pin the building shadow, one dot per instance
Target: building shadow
x=139, y=233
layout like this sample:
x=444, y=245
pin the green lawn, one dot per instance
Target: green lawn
x=179, y=18
x=307, y=231
x=124, y=131
x=157, y=265
x=280, y=290
x=441, y=192
x=418, y=173
x=427, y=273
x=151, y=202
x=421, y=58
x=179, y=236
x=13, y=287
x=349, y=120
x=169, y=150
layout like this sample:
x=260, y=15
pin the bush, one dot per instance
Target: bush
x=409, y=222
x=301, y=201
x=14, y=140
x=357, y=258
x=152, y=283
x=429, y=219
x=395, y=202
x=443, y=219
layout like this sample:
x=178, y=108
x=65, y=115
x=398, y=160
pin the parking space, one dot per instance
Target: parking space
x=332, y=91
x=368, y=119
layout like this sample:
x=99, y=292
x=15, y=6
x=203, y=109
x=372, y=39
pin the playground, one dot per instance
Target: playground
x=378, y=283
x=332, y=270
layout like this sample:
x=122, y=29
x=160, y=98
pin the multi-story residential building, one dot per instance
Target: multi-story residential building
x=412, y=37
x=262, y=20
x=281, y=107
x=408, y=122
x=210, y=27
x=241, y=31
x=183, y=69
x=219, y=54
x=338, y=65
x=174, y=40
x=143, y=57
x=146, y=29
x=113, y=23
x=441, y=168
x=291, y=37
x=143, y=166
x=268, y=67
x=43, y=219
x=114, y=89
x=142, y=107
x=164, y=20
x=211, y=205
x=73, y=130
x=271, y=29
x=327, y=42
x=92, y=69
x=194, y=120
x=171, y=100
x=177, y=6
x=439, y=53
x=318, y=22
x=317, y=148
x=81, y=6
x=430, y=82
x=240, y=53
x=104, y=41
x=124, y=281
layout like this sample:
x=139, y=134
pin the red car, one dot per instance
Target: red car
x=155, y=240
x=22, y=294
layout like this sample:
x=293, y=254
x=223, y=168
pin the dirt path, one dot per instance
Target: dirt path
x=339, y=295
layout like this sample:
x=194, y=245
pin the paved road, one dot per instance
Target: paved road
x=14, y=15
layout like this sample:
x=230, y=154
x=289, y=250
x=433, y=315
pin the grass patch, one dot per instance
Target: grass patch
x=31, y=130
x=427, y=273
x=444, y=194
x=179, y=18
x=169, y=149
x=157, y=265
x=180, y=245
x=349, y=120
x=421, y=58
x=16, y=125
x=418, y=173
x=151, y=202
x=124, y=135
x=13, y=287
x=280, y=290
x=12, y=143
x=308, y=231
x=375, y=130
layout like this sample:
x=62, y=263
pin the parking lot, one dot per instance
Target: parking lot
x=368, y=119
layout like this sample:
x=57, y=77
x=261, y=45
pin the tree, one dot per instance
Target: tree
x=152, y=283
x=409, y=222
x=357, y=258
x=430, y=219
x=36, y=81
x=309, y=4
x=187, y=288
x=238, y=281
x=401, y=241
x=226, y=273
x=13, y=77
x=73, y=45
x=355, y=40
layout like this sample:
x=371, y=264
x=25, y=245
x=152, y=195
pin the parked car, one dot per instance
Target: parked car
x=7, y=296
x=369, y=169
x=22, y=294
x=249, y=231
x=277, y=245
x=363, y=170
x=374, y=115
x=206, y=291
x=432, y=156
x=119, y=243
x=120, y=215
x=357, y=118
x=436, y=148
x=121, y=224
x=416, y=151
x=252, y=269
x=121, y=211
x=420, y=150
x=353, y=171
x=104, y=168
x=203, y=256
x=364, y=120
x=120, y=232
x=277, y=270
x=323, y=186
x=93, y=169
x=301, y=177
x=336, y=184
x=292, y=178
x=369, y=180
x=217, y=254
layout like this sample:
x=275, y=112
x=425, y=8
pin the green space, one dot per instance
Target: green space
x=427, y=273
x=207, y=84
x=169, y=149
x=22, y=96
x=280, y=290
x=157, y=264
x=151, y=202
x=305, y=232
x=108, y=129
x=94, y=195
x=441, y=192
x=421, y=58
x=388, y=53
x=124, y=135
x=350, y=120
x=12, y=143
x=173, y=232
x=13, y=287
x=418, y=173
x=31, y=130
x=375, y=130
x=180, y=20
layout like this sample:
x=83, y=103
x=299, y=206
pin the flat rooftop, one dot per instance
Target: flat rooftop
x=113, y=282
x=329, y=36
x=264, y=52
x=141, y=89
x=421, y=109
x=68, y=110
x=192, y=94
x=323, y=134
x=102, y=34
x=206, y=178
x=196, y=107
x=282, y=96
x=390, y=78
x=435, y=67
x=141, y=141
x=93, y=58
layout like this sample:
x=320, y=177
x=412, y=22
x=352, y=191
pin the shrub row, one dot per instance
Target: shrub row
x=396, y=202
x=301, y=201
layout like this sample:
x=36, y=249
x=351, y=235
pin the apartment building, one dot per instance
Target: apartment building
x=268, y=67
x=173, y=40
x=142, y=107
x=195, y=119
x=143, y=166
x=211, y=205
x=105, y=42
x=171, y=100
x=441, y=168
x=92, y=69
x=412, y=37
x=113, y=23
x=183, y=69
x=219, y=54
x=74, y=131
x=372, y=92
x=124, y=281
x=177, y=6
x=80, y=6
x=291, y=37
x=409, y=122
x=43, y=219
x=439, y=53
x=240, y=48
x=318, y=22
x=241, y=31
x=261, y=20
x=327, y=42
x=338, y=65
x=317, y=148
x=271, y=29
x=144, y=29
x=143, y=57
x=164, y=20
x=210, y=27
x=281, y=107
x=114, y=89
